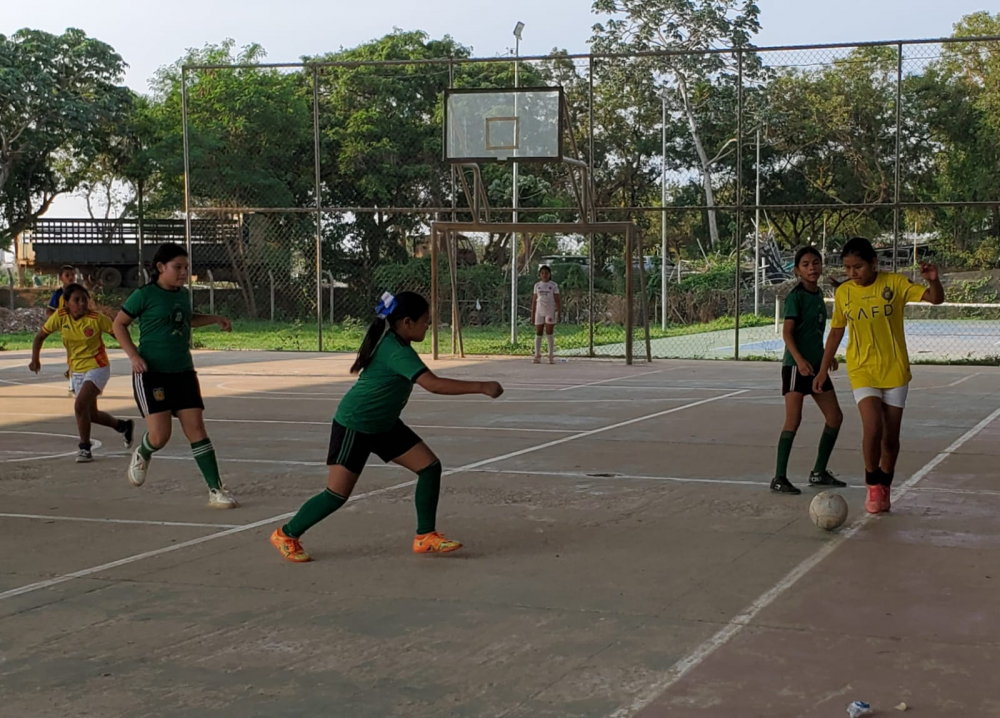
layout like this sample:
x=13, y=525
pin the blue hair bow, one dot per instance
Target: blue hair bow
x=386, y=305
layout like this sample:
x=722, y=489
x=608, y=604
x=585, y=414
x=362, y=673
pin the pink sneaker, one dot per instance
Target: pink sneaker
x=873, y=504
x=886, y=501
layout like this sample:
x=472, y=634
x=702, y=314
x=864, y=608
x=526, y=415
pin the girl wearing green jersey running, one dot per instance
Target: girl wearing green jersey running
x=367, y=421
x=805, y=322
x=164, y=381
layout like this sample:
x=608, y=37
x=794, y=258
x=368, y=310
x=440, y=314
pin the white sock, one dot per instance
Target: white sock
x=552, y=344
x=538, y=345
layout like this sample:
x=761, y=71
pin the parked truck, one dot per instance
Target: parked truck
x=112, y=253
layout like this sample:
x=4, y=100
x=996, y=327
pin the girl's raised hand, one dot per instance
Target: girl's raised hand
x=224, y=324
x=929, y=272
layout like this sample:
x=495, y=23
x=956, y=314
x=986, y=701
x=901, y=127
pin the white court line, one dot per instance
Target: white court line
x=948, y=386
x=94, y=445
x=327, y=423
x=119, y=521
x=48, y=583
x=617, y=378
x=743, y=619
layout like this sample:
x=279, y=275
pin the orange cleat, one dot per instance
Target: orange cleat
x=434, y=542
x=290, y=548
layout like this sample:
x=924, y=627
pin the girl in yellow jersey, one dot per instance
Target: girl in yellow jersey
x=871, y=303
x=82, y=331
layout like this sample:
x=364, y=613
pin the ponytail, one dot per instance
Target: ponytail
x=390, y=310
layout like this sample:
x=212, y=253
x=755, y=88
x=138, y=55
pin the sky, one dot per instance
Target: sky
x=149, y=35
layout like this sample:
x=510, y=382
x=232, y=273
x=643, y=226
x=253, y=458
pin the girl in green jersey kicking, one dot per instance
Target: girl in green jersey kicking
x=368, y=421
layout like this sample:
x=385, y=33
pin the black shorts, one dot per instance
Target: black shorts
x=350, y=448
x=791, y=381
x=156, y=392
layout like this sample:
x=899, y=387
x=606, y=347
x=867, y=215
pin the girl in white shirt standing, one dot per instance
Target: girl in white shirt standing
x=545, y=309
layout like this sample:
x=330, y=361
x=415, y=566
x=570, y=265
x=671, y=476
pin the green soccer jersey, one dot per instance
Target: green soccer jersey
x=164, y=318
x=809, y=312
x=377, y=399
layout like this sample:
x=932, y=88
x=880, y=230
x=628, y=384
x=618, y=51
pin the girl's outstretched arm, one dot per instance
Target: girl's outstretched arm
x=829, y=357
x=207, y=320
x=36, y=351
x=454, y=387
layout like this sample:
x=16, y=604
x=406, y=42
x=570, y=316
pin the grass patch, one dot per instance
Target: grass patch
x=301, y=336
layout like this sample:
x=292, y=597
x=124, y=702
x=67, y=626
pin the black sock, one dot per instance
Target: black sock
x=887, y=477
x=85, y=445
x=122, y=425
x=873, y=478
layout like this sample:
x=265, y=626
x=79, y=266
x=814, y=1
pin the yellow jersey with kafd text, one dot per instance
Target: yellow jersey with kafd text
x=83, y=338
x=876, y=346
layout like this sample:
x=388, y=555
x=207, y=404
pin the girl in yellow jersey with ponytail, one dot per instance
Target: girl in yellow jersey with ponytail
x=871, y=303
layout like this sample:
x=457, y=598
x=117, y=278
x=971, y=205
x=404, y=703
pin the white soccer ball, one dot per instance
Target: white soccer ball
x=828, y=510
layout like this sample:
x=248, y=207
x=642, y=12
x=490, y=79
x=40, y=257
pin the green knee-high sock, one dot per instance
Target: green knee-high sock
x=146, y=448
x=826, y=443
x=426, y=497
x=204, y=456
x=312, y=512
x=785, y=442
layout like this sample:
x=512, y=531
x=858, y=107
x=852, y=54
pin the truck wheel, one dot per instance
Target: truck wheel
x=109, y=278
x=132, y=277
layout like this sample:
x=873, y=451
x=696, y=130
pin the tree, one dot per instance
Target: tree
x=250, y=145
x=59, y=97
x=697, y=29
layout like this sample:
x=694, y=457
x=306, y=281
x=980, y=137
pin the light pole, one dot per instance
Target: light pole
x=663, y=215
x=518, y=28
x=756, y=255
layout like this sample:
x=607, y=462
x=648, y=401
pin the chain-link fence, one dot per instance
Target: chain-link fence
x=330, y=175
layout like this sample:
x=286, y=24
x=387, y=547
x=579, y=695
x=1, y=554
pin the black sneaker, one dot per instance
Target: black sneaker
x=825, y=478
x=129, y=434
x=83, y=456
x=781, y=485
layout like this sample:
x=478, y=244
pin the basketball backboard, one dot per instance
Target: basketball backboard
x=489, y=125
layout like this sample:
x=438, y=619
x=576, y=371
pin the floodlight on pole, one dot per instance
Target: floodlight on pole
x=518, y=29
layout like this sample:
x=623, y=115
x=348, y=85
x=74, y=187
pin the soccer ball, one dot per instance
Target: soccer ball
x=828, y=510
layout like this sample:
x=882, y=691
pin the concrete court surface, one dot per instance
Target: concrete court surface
x=623, y=555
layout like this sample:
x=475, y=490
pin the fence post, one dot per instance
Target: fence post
x=270, y=275
x=590, y=236
x=211, y=292
x=10, y=278
x=329, y=274
x=739, y=195
x=318, y=191
x=777, y=313
x=899, y=135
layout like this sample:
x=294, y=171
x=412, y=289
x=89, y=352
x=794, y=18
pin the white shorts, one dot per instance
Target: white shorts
x=541, y=319
x=893, y=397
x=98, y=377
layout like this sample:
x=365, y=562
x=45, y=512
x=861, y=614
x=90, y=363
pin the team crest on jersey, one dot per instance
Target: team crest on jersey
x=887, y=294
x=88, y=332
x=159, y=394
x=177, y=320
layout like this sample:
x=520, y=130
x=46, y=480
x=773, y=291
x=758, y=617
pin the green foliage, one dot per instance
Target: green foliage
x=60, y=97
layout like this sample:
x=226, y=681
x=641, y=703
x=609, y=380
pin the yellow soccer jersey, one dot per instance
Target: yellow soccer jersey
x=83, y=338
x=876, y=347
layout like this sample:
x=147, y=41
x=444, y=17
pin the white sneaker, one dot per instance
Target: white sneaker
x=137, y=469
x=220, y=498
